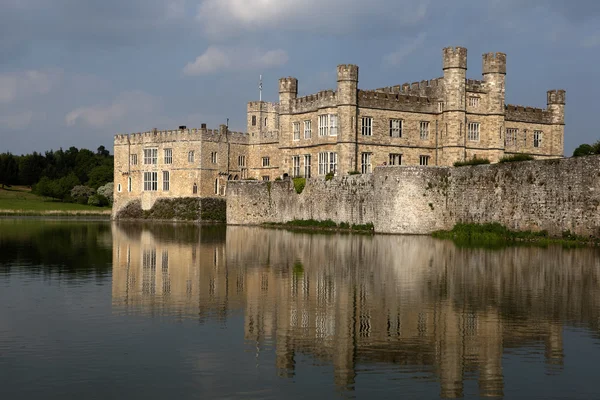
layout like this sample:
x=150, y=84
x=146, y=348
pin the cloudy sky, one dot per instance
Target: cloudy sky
x=76, y=72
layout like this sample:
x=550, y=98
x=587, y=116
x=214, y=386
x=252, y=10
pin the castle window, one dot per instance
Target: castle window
x=150, y=156
x=213, y=157
x=511, y=137
x=473, y=131
x=241, y=161
x=296, y=164
x=365, y=163
x=396, y=128
x=133, y=159
x=395, y=159
x=217, y=186
x=195, y=189
x=119, y=188
x=367, y=126
x=254, y=120
x=440, y=106
x=166, y=183
x=323, y=125
x=266, y=178
x=168, y=156
x=423, y=160
x=191, y=156
x=424, y=130
x=333, y=125
x=129, y=184
x=537, y=138
x=307, y=160
x=150, y=181
x=296, y=129
x=265, y=121
x=266, y=162
x=327, y=162
x=307, y=129
x=474, y=101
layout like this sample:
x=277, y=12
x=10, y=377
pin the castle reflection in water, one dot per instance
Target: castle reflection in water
x=414, y=302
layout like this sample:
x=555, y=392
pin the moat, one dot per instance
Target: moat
x=100, y=310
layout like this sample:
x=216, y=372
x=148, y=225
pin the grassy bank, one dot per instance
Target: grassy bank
x=496, y=235
x=327, y=225
x=17, y=201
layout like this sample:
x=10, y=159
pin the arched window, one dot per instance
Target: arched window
x=217, y=186
x=129, y=184
x=195, y=189
x=235, y=178
x=229, y=177
x=119, y=188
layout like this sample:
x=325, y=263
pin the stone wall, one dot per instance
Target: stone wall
x=552, y=195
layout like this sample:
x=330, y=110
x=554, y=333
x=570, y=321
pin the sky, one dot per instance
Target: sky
x=77, y=72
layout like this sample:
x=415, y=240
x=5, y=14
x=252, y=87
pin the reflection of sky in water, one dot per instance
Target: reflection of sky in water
x=255, y=313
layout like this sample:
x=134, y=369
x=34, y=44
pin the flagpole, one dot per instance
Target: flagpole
x=260, y=88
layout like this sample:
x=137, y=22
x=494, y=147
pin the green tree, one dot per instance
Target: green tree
x=100, y=175
x=9, y=170
x=583, y=150
x=31, y=167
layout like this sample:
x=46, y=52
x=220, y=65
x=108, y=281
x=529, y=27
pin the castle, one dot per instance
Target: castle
x=349, y=130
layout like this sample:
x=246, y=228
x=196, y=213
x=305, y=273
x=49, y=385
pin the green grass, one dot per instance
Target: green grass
x=495, y=235
x=20, y=201
x=323, y=225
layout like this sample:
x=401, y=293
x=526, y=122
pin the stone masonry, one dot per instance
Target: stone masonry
x=554, y=195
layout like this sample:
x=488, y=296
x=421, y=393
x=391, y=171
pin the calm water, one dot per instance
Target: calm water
x=93, y=310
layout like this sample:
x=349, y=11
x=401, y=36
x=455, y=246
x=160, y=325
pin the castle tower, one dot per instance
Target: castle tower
x=347, y=100
x=288, y=90
x=556, y=107
x=453, y=128
x=494, y=77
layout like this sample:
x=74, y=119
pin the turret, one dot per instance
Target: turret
x=455, y=73
x=556, y=105
x=288, y=89
x=494, y=76
x=347, y=83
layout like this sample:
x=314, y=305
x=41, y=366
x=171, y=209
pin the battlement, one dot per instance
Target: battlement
x=517, y=113
x=556, y=97
x=288, y=85
x=263, y=106
x=312, y=102
x=474, y=85
x=347, y=72
x=424, y=88
x=455, y=57
x=166, y=136
x=494, y=63
x=395, y=101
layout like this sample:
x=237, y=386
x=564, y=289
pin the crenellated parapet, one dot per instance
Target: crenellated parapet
x=396, y=102
x=556, y=96
x=347, y=72
x=474, y=85
x=314, y=102
x=455, y=57
x=184, y=135
x=494, y=63
x=426, y=88
x=516, y=113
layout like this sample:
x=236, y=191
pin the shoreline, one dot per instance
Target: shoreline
x=67, y=214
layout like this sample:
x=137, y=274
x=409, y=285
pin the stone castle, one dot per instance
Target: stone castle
x=347, y=130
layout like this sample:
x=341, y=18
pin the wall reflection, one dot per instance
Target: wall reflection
x=416, y=303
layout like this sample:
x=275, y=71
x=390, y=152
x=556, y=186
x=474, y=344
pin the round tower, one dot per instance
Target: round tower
x=494, y=76
x=452, y=132
x=288, y=89
x=347, y=110
x=556, y=108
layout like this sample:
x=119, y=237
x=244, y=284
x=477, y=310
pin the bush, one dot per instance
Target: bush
x=354, y=172
x=98, y=200
x=329, y=176
x=472, y=161
x=81, y=194
x=299, y=184
x=516, y=157
x=107, y=191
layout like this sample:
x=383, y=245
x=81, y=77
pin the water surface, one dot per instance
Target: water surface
x=98, y=310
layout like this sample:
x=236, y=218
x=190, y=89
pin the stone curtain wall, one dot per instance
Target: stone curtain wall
x=552, y=195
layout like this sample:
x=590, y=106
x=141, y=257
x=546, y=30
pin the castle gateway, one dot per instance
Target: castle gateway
x=435, y=123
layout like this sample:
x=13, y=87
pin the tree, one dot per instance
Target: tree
x=583, y=150
x=31, y=167
x=102, y=152
x=100, y=175
x=9, y=170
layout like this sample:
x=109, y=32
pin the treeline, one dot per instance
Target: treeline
x=55, y=173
